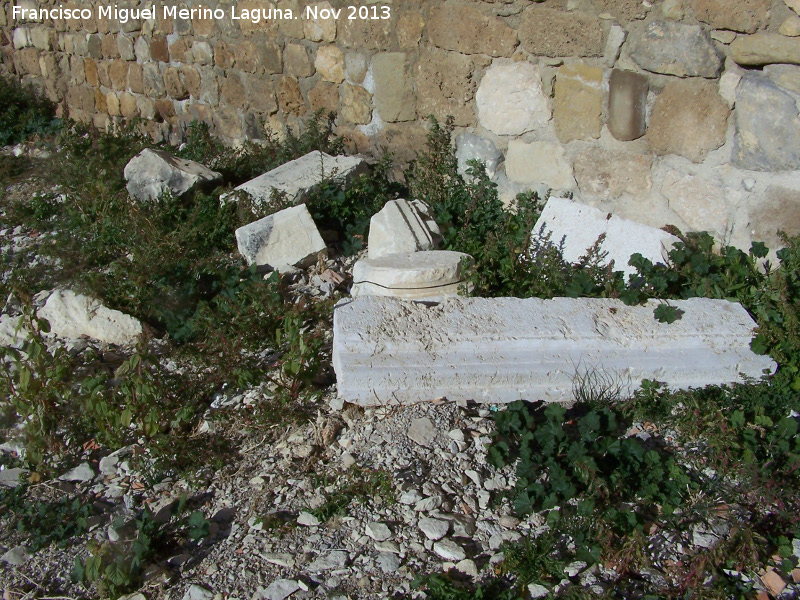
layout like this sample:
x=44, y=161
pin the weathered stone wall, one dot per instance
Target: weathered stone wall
x=664, y=111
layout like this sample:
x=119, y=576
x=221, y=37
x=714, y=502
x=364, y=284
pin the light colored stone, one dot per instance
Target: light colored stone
x=474, y=147
x=689, y=118
x=778, y=210
x=422, y=431
x=12, y=477
x=505, y=349
x=394, y=91
x=446, y=86
x=16, y=557
x=399, y=227
x=449, y=550
x=388, y=562
x=784, y=76
x=793, y=4
x=74, y=315
x=468, y=567
x=536, y=590
x=745, y=16
x=548, y=31
x=700, y=203
x=727, y=87
x=767, y=126
x=616, y=37
x=329, y=63
x=280, y=589
x=627, y=104
x=434, y=529
x=11, y=330
x=765, y=49
x=510, y=98
x=411, y=275
x=539, y=162
x=82, y=473
x=580, y=226
x=306, y=519
x=790, y=26
x=334, y=560
x=152, y=173
x=378, y=531
x=578, y=104
x=676, y=49
x=283, y=240
x=609, y=174
x=196, y=592
x=298, y=178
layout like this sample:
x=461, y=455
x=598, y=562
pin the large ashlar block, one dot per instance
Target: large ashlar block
x=580, y=226
x=390, y=351
x=298, y=178
x=152, y=173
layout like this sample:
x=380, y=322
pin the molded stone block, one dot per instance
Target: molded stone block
x=400, y=227
x=390, y=351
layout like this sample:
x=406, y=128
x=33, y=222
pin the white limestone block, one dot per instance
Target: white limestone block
x=151, y=173
x=539, y=162
x=510, y=98
x=580, y=226
x=299, y=177
x=282, y=240
x=399, y=227
x=391, y=351
x=74, y=315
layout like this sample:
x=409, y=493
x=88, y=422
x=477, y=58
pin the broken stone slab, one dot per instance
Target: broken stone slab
x=283, y=240
x=580, y=226
x=298, y=178
x=391, y=351
x=412, y=275
x=152, y=173
x=474, y=147
x=401, y=226
x=74, y=315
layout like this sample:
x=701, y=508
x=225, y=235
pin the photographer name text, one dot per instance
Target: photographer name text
x=255, y=15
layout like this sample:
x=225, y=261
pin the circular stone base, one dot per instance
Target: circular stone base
x=411, y=270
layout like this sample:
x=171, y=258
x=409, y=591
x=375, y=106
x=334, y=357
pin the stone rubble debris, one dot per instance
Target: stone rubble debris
x=152, y=173
x=390, y=351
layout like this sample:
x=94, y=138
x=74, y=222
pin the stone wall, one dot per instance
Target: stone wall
x=663, y=111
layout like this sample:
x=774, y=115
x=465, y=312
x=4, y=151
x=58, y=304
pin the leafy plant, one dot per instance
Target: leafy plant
x=24, y=112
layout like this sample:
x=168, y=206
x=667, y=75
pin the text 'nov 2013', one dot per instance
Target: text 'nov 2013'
x=252, y=15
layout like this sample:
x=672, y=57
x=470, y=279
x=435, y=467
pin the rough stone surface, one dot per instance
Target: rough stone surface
x=784, y=76
x=280, y=589
x=580, y=226
x=539, y=162
x=700, y=203
x=152, y=173
x=627, y=105
x=676, y=49
x=394, y=91
x=578, y=105
x=282, y=240
x=12, y=477
x=446, y=86
x=689, y=119
x=779, y=210
x=505, y=349
x=764, y=49
x=379, y=532
x=510, y=98
x=422, y=431
x=767, y=126
x=609, y=174
x=790, y=26
x=399, y=227
x=356, y=104
x=474, y=147
x=449, y=550
x=467, y=30
x=16, y=557
x=745, y=16
x=434, y=529
x=73, y=315
x=83, y=472
x=546, y=31
x=411, y=275
x=299, y=177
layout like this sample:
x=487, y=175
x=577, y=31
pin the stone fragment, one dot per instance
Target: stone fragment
x=699, y=202
x=689, y=118
x=414, y=275
x=627, y=104
x=578, y=105
x=298, y=178
x=16, y=557
x=765, y=49
x=306, y=519
x=536, y=590
x=474, y=147
x=727, y=87
x=82, y=473
x=196, y=592
x=505, y=349
x=449, y=550
x=400, y=226
x=12, y=477
x=152, y=173
x=355, y=103
x=394, y=91
x=609, y=174
x=616, y=37
x=467, y=30
x=778, y=210
x=422, y=431
x=334, y=560
x=745, y=16
x=510, y=98
x=297, y=61
x=539, y=162
x=433, y=529
x=280, y=589
x=378, y=531
x=388, y=562
x=283, y=240
x=676, y=49
x=774, y=583
x=74, y=315
x=547, y=31
x=329, y=63
x=767, y=126
x=784, y=76
x=580, y=226
x=446, y=86
x=467, y=567
x=790, y=26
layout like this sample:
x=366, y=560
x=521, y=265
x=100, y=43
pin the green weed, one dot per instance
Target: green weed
x=24, y=112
